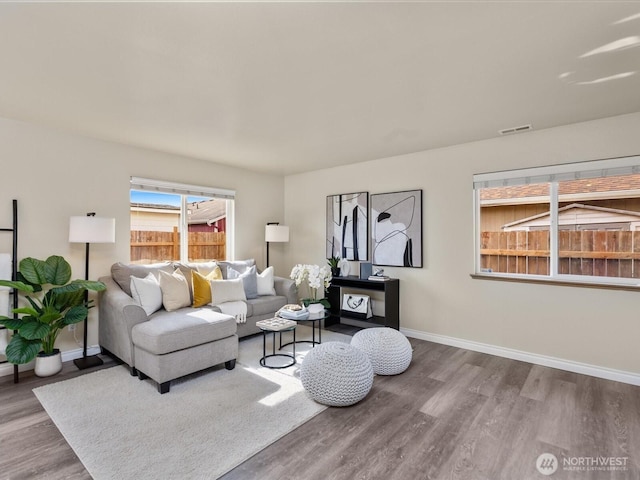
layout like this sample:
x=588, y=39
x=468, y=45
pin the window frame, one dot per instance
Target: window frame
x=552, y=175
x=186, y=190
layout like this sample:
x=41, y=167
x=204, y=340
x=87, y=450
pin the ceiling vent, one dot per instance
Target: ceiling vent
x=522, y=128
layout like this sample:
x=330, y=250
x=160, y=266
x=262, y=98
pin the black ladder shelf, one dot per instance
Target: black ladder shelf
x=14, y=274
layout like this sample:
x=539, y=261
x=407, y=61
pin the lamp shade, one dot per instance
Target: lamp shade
x=276, y=233
x=89, y=229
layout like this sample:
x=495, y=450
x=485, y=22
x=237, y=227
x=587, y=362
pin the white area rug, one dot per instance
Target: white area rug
x=122, y=428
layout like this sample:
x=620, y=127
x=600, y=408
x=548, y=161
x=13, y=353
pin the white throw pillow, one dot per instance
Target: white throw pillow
x=265, y=282
x=175, y=291
x=146, y=292
x=227, y=291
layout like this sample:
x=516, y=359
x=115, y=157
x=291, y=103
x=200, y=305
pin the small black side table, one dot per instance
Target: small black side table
x=277, y=325
x=316, y=324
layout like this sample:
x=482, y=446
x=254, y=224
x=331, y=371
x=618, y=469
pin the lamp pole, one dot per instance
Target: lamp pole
x=94, y=360
x=270, y=223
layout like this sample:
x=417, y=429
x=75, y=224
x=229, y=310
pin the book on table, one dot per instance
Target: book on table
x=293, y=311
x=378, y=278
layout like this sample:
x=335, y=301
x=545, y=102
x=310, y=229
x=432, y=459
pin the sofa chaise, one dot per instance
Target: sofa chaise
x=152, y=317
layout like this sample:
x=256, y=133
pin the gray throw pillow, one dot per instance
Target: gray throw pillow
x=122, y=273
x=249, y=280
x=238, y=265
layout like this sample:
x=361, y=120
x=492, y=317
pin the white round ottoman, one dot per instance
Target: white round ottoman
x=389, y=350
x=336, y=374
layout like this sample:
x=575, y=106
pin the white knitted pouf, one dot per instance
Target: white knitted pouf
x=389, y=350
x=336, y=374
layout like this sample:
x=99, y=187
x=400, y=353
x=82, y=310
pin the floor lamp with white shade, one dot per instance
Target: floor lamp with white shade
x=90, y=229
x=275, y=233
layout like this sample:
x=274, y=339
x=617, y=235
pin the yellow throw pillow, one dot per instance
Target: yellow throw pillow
x=202, y=287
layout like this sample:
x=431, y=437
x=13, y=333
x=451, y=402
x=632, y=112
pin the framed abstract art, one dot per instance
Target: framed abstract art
x=348, y=226
x=396, y=229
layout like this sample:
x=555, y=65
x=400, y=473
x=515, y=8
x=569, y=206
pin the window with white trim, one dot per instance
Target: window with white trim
x=180, y=222
x=576, y=222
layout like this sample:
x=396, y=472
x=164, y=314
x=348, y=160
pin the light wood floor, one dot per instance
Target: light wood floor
x=454, y=414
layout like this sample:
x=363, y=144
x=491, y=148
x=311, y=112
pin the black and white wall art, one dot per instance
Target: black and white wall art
x=396, y=228
x=348, y=226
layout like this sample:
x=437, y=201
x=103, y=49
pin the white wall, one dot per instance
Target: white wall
x=55, y=175
x=591, y=326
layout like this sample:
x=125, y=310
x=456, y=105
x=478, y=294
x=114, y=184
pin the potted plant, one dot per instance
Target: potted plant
x=317, y=278
x=334, y=263
x=53, y=303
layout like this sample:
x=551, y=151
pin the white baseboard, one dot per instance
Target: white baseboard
x=546, y=361
x=537, y=359
x=7, y=368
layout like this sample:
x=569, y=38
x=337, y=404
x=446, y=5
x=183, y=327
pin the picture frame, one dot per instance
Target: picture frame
x=347, y=226
x=396, y=229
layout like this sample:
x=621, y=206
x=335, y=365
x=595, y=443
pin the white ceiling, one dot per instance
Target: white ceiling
x=293, y=87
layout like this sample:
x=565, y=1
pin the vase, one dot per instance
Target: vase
x=344, y=268
x=316, y=310
x=335, y=271
x=48, y=364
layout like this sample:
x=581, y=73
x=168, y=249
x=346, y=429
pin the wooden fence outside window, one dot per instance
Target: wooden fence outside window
x=586, y=252
x=152, y=247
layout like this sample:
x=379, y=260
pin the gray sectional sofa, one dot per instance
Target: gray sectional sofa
x=171, y=342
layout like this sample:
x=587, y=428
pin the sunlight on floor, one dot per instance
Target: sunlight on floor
x=288, y=384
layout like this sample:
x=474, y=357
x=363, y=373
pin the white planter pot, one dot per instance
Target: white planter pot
x=316, y=310
x=47, y=365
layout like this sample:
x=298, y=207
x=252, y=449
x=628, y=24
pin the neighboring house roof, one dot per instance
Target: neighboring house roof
x=621, y=186
x=207, y=211
x=154, y=206
x=577, y=214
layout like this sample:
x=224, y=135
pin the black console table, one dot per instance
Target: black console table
x=390, y=287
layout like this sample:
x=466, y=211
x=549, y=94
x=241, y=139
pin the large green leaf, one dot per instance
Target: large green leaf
x=49, y=316
x=63, y=298
x=26, y=311
x=34, y=270
x=81, y=285
x=34, y=330
x=20, y=350
x=10, y=323
x=69, y=288
x=75, y=315
x=58, y=270
x=92, y=285
x=36, y=286
x=23, y=287
x=35, y=306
